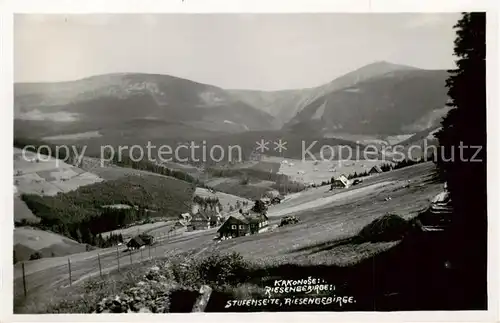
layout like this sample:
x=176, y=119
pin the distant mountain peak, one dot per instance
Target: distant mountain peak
x=387, y=64
x=378, y=68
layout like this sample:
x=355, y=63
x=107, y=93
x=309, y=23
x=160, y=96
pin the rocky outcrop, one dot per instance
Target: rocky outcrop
x=151, y=295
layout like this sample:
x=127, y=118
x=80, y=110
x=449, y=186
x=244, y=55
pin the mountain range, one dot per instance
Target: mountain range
x=378, y=99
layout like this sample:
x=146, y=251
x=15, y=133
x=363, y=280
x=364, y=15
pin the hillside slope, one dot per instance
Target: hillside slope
x=387, y=104
x=284, y=105
x=28, y=241
x=107, y=101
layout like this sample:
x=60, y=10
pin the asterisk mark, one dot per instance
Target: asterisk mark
x=262, y=145
x=280, y=145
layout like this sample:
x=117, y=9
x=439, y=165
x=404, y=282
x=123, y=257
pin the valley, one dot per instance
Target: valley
x=305, y=162
x=89, y=206
x=327, y=216
x=177, y=111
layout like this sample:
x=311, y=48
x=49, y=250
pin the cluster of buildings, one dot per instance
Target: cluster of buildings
x=199, y=219
x=343, y=182
x=272, y=197
x=237, y=224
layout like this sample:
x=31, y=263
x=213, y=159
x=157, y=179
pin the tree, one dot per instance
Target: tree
x=462, y=138
x=78, y=235
x=100, y=241
x=259, y=207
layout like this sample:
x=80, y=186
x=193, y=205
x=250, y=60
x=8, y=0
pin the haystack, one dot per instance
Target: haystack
x=390, y=227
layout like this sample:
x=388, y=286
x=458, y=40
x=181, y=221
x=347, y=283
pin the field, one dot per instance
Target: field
x=251, y=179
x=85, y=210
x=310, y=171
x=132, y=231
x=394, y=140
x=22, y=212
x=29, y=240
x=252, y=190
x=224, y=198
x=74, y=136
x=329, y=216
x=45, y=175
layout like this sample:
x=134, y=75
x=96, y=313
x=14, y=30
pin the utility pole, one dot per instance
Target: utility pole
x=118, y=257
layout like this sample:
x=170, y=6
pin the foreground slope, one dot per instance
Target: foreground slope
x=339, y=215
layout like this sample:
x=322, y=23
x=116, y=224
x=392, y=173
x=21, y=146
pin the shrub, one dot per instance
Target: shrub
x=220, y=269
x=390, y=227
x=214, y=270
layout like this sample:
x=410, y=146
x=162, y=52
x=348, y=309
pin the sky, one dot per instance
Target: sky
x=232, y=51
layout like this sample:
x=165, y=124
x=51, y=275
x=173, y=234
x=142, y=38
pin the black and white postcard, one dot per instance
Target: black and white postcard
x=243, y=162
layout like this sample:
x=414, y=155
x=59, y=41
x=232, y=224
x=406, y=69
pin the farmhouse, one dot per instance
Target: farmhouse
x=199, y=221
x=179, y=226
x=140, y=240
x=375, y=170
x=340, y=182
x=276, y=200
x=185, y=217
x=272, y=194
x=244, y=224
x=135, y=243
x=201, y=218
x=204, y=219
x=148, y=239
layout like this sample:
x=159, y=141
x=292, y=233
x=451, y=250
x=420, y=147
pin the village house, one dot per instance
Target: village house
x=140, y=240
x=272, y=197
x=243, y=224
x=340, y=182
x=272, y=194
x=180, y=224
x=375, y=170
x=185, y=217
x=135, y=243
x=203, y=219
x=147, y=238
